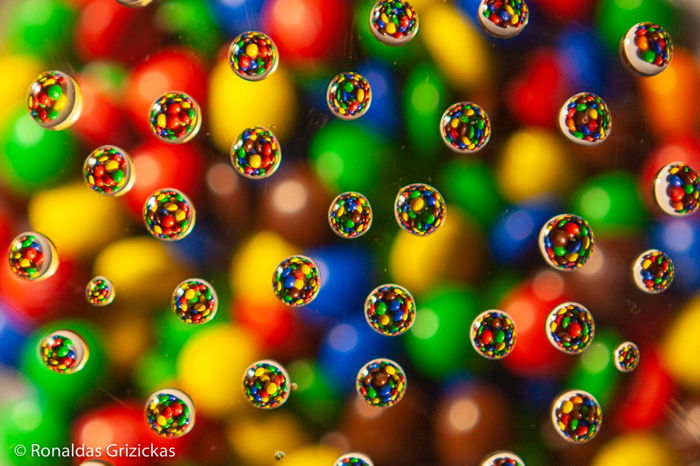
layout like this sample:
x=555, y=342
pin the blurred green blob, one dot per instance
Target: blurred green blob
x=470, y=184
x=376, y=49
x=424, y=104
x=31, y=157
x=41, y=28
x=500, y=283
x=172, y=333
x=314, y=396
x=192, y=22
x=595, y=370
x=611, y=204
x=111, y=75
x=153, y=371
x=615, y=17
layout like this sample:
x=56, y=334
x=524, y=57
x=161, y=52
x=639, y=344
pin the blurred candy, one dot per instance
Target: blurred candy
x=175, y=118
x=470, y=184
x=567, y=10
x=636, y=449
x=566, y=242
x=266, y=384
x=353, y=459
x=582, y=61
x=382, y=115
x=393, y=22
x=465, y=127
x=350, y=215
x=503, y=18
x=170, y=413
x=585, y=119
x=676, y=189
x=349, y=95
x=194, y=23
x=253, y=56
x=236, y=17
x=570, y=328
x=647, y=49
x=626, y=357
x=503, y=458
x=135, y=3
x=381, y=383
x=256, y=153
x=310, y=454
x=296, y=281
x=424, y=98
x=32, y=256
x=493, y=334
x=576, y=416
x=614, y=17
x=108, y=170
x=194, y=301
x=54, y=100
x=43, y=35
x=594, y=370
x=64, y=352
x=653, y=271
x=419, y=209
x=18, y=71
x=169, y=215
x=99, y=292
x=390, y=309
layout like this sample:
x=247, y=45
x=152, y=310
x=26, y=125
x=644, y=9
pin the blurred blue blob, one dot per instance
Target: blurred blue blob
x=202, y=247
x=582, y=59
x=679, y=237
x=537, y=394
x=513, y=236
x=382, y=113
x=13, y=334
x=236, y=16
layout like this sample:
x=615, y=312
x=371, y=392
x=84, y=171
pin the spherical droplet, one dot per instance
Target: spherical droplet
x=646, y=49
x=576, y=416
x=296, y=281
x=503, y=18
x=570, y=328
x=253, y=56
x=653, y=271
x=393, y=22
x=381, y=383
x=108, y=170
x=266, y=384
x=350, y=215
x=390, y=309
x=194, y=301
x=493, y=334
x=280, y=455
x=175, y=118
x=465, y=127
x=170, y=413
x=256, y=153
x=134, y=3
x=566, y=242
x=64, y=352
x=32, y=256
x=585, y=119
x=99, y=292
x=419, y=209
x=353, y=459
x=54, y=100
x=626, y=357
x=169, y=215
x=349, y=95
x=503, y=458
x=676, y=189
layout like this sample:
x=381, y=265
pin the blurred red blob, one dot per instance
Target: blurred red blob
x=684, y=148
x=567, y=9
x=102, y=119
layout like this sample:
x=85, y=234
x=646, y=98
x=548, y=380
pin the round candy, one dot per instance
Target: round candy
x=256, y=153
x=570, y=328
x=353, y=459
x=169, y=215
x=503, y=18
x=503, y=458
x=566, y=242
x=465, y=127
x=585, y=119
x=390, y=309
x=626, y=357
x=381, y=383
x=170, y=413
x=134, y=3
x=349, y=95
x=350, y=215
x=194, y=301
x=296, y=281
x=653, y=271
x=393, y=22
x=253, y=56
x=54, y=100
x=266, y=384
x=280, y=455
x=64, y=352
x=109, y=170
x=646, y=49
x=493, y=334
x=576, y=416
x=419, y=209
x=32, y=256
x=175, y=118
x=676, y=189
x=99, y=292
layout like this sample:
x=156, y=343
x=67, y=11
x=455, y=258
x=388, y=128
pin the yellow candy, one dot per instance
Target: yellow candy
x=567, y=407
x=360, y=95
x=160, y=420
x=255, y=161
x=160, y=120
x=271, y=388
x=251, y=50
x=417, y=204
x=60, y=103
x=636, y=449
x=111, y=165
x=189, y=294
x=255, y=438
x=390, y=28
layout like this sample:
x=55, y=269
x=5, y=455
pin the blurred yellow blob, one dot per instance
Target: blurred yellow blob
x=418, y=5
x=141, y=269
x=128, y=329
x=534, y=162
x=77, y=220
x=316, y=455
x=636, y=450
x=254, y=263
x=210, y=368
x=235, y=104
x=257, y=437
x=680, y=346
x=456, y=45
x=18, y=72
x=420, y=262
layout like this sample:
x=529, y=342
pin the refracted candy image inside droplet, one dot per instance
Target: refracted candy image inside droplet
x=503, y=458
x=256, y=153
x=493, y=334
x=194, y=301
x=350, y=215
x=95, y=463
x=175, y=118
x=570, y=328
x=54, y=100
x=390, y=309
x=108, y=170
x=676, y=189
x=99, y=292
x=420, y=209
x=32, y=256
x=64, y=352
x=280, y=456
x=626, y=357
x=465, y=127
x=296, y=281
x=353, y=459
x=653, y=271
x=646, y=49
x=503, y=18
x=169, y=215
x=585, y=119
x=349, y=95
x=134, y=3
x=266, y=384
x=381, y=383
x=393, y=22
x=576, y=416
x=253, y=56
x=566, y=242
x=170, y=413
